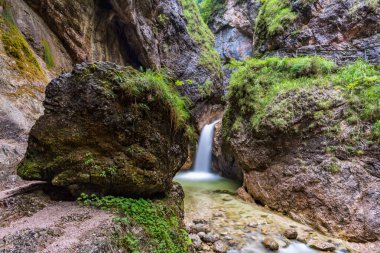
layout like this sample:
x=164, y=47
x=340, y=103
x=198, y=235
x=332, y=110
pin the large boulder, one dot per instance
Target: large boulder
x=109, y=130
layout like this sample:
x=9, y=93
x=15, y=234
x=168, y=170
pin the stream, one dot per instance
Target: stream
x=240, y=225
x=225, y=223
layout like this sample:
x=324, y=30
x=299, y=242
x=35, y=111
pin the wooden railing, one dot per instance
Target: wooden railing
x=340, y=57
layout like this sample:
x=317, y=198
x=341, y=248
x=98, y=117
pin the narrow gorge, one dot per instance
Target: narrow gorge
x=172, y=126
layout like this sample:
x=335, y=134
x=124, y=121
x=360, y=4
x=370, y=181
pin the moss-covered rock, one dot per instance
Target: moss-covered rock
x=303, y=132
x=109, y=130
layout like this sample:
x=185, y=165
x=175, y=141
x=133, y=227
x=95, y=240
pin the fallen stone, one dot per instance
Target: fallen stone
x=321, y=245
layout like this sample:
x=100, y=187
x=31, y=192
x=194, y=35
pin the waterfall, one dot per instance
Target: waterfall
x=204, y=152
x=202, y=165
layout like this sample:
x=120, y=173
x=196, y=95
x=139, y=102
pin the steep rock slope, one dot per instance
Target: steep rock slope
x=108, y=129
x=319, y=24
x=304, y=147
x=232, y=21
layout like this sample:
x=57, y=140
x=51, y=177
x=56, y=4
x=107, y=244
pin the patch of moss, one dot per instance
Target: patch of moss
x=17, y=48
x=209, y=7
x=162, y=229
x=273, y=19
x=48, y=56
x=29, y=170
x=200, y=32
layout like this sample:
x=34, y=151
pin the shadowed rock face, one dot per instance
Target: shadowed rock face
x=233, y=28
x=150, y=34
x=96, y=136
x=294, y=171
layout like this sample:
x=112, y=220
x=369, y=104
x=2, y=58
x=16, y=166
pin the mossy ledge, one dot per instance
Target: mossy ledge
x=272, y=94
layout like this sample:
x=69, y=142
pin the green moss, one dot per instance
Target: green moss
x=201, y=34
x=17, y=47
x=29, y=170
x=273, y=19
x=160, y=224
x=48, y=56
x=135, y=83
x=209, y=7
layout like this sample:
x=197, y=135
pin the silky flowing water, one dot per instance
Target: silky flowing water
x=242, y=224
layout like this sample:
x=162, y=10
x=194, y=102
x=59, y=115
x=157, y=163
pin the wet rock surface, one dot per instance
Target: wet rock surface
x=105, y=141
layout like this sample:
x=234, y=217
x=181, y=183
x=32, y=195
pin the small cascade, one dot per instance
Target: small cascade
x=202, y=165
x=204, y=152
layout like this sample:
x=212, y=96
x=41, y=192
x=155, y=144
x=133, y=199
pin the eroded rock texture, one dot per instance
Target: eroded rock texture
x=233, y=28
x=328, y=25
x=98, y=134
x=310, y=169
x=151, y=34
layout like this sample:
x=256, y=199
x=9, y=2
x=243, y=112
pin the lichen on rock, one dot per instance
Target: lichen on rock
x=109, y=130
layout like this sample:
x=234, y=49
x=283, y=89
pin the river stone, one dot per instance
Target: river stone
x=196, y=241
x=270, y=243
x=211, y=238
x=291, y=234
x=200, y=228
x=97, y=136
x=321, y=245
x=200, y=221
x=220, y=247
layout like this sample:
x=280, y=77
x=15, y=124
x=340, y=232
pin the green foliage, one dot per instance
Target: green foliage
x=200, y=32
x=273, y=18
x=48, y=56
x=376, y=129
x=257, y=82
x=17, y=47
x=209, y=7
x=334, y=168
x=159, y=222
x=205, y=89
x=362, y=82
x=135, y=83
